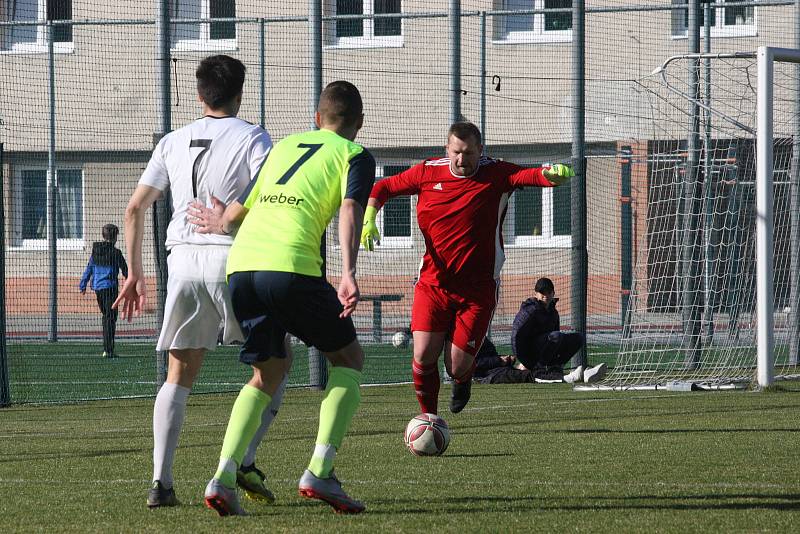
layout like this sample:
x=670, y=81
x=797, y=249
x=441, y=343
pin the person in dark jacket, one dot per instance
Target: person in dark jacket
x=538, y=342
x=103, y=269
x=494, y=368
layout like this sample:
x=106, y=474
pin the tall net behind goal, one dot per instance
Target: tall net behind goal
x=692, y=313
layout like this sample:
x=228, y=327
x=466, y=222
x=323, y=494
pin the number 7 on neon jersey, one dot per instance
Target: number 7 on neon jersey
x=311, y=149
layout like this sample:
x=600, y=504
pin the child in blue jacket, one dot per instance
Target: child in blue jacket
x=103, y=269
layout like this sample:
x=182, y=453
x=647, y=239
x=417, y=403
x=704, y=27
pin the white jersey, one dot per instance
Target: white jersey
x=210, y=156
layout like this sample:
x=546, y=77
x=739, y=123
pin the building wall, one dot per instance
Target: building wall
x=106, y=102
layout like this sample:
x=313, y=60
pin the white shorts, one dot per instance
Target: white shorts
x=198, y=303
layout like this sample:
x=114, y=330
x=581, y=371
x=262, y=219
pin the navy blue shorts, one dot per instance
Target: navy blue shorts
x=268, y=304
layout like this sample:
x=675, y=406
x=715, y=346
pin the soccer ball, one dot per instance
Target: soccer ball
x=427, y=435
x=400, y=340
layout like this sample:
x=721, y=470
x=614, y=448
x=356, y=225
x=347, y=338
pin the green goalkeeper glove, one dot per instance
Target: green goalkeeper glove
x=558, y=173
x=369, y=232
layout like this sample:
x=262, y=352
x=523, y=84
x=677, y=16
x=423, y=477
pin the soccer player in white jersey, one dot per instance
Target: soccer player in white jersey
x=212, y=159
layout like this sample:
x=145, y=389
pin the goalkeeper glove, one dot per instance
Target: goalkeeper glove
x=558, y=173
x=369, y=232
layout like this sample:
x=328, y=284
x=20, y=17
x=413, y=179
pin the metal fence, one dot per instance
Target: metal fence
x=83, y=100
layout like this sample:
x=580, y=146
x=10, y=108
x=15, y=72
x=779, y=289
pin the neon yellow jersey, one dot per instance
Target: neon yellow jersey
x=298, y=191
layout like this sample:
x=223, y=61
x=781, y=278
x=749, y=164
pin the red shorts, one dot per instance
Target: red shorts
x=465, y=313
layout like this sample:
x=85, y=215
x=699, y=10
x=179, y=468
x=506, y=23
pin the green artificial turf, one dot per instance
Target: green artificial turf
x=522, y=458
x=71, y=371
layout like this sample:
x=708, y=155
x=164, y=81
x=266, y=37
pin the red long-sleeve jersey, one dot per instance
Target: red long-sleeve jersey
x=461, y=218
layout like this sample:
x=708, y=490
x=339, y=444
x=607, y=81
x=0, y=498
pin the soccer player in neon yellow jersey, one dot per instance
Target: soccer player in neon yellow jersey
x=276, y=283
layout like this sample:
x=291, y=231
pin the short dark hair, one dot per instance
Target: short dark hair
x=544, y=285
x=219, y=80
x=110, y=232
x=465, y=130
x=340, y=104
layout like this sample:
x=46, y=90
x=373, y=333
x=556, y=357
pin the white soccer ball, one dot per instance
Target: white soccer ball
x=427, y=435
x=400, y=340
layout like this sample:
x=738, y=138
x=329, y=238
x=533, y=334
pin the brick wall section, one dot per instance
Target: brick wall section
x=32, y=296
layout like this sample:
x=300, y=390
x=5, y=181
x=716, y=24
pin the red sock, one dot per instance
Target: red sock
x=426, y=386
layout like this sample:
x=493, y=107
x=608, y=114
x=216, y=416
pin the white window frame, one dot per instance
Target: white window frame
x=537, y=35
x=368, y=38
x=40, y=46
x=546, y=239
x=39, y=245
x=720, y=29
x=204, y=42
x=395, y=242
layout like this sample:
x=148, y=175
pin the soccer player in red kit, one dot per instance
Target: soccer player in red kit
x=461, y=204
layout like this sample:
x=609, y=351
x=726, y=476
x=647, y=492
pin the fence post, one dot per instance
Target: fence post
x=262, y=95
x=317, y=366
x=709, y=300
x=5, y=386
x=579, y=262
x=52, y=191
x=483, y=77
x=689, y=247
x=162, y=208
x=455, y=60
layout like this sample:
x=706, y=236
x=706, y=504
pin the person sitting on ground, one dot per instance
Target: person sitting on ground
x=540, y=345
x=494, y=368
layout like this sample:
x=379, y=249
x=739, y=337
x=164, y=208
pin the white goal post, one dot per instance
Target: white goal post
x=766, y=57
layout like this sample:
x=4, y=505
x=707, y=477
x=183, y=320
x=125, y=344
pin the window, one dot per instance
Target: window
x=394, y=219
x=725, y=22
x=364, y=33
x=539, y=217
x=31, y=217
x=203, y=36
x=548, y=27
x=34, y=38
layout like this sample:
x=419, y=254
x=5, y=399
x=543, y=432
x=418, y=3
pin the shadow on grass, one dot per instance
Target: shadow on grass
x=671, y=431
x=486, y=455
x=639, y=414
x=483, y=504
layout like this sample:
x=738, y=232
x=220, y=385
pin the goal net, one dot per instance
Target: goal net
x=692, y=319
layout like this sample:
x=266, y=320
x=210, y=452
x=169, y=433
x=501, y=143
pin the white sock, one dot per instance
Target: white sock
x=168, y=413
x=266, y=420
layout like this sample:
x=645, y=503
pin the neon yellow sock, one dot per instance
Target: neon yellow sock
x=242, y=426
x=342, y=397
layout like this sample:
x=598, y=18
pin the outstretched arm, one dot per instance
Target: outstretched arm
x=558, y=173
x=133, y=294
x=547, y=176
